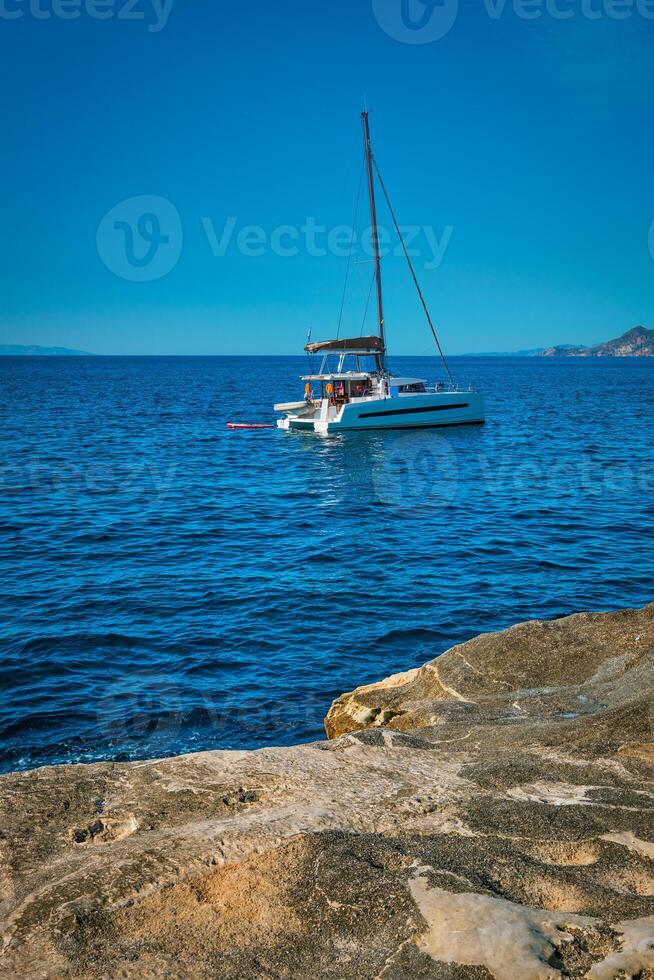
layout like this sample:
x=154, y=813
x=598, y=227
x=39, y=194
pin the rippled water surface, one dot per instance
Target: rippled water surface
x=170, y=586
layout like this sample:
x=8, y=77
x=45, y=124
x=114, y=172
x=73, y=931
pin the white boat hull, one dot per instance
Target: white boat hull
x=432, y=409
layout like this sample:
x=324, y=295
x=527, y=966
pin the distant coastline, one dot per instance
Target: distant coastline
x=33, y=350
x=637, y=342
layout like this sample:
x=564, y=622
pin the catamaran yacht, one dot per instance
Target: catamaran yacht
x=354, y=388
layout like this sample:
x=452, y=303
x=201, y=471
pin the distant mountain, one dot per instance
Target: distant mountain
x=533, y=352
x=637, y=342
x=34, y=350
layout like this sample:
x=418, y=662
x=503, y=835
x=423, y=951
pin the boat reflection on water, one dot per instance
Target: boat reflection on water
x=417, y=469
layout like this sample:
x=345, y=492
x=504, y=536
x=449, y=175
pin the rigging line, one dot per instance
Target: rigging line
x=415, y=278
x=365, y=312
x=349, y=257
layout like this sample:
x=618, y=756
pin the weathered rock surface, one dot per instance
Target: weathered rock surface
x=488, y=815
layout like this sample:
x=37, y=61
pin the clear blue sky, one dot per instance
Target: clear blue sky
x=529, y=139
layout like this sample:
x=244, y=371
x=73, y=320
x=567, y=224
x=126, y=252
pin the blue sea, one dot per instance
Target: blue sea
x=170, y=586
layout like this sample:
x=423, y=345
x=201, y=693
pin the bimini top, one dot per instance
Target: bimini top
x=360, y=345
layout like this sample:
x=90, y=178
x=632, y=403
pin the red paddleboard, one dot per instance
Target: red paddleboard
x=243, y=425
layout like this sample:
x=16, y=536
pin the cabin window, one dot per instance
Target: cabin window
x=418, y=386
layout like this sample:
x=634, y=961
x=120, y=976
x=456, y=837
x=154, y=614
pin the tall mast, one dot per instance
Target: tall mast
x=375, y=233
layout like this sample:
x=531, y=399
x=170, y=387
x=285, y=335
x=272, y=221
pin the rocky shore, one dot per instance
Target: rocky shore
x=490, y=814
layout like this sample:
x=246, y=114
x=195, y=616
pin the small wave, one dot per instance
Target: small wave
x=80, y=642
